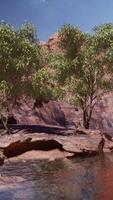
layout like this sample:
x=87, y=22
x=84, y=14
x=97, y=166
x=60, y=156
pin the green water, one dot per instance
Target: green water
x=76, y=179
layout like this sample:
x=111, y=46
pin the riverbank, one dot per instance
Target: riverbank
x=25, y=146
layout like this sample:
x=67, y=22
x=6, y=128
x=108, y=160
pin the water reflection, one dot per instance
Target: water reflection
x=76, y=179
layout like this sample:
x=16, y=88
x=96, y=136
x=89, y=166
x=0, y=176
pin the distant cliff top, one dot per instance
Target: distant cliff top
x=51, y=44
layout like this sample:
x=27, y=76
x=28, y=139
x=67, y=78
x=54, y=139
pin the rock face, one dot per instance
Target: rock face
x=51, y=44
x=87, y=143
x=50, y=113
x=102, y=118
x=63, y=114
x=103, y=113
x=43, y=44
x=24, y=145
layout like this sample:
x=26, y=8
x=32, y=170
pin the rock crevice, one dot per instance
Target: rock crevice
x=19, y=147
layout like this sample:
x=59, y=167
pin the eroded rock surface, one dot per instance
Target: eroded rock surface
x=87, y=143
x=64, y=114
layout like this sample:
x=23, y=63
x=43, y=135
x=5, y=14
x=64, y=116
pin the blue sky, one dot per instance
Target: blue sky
x=49, y=15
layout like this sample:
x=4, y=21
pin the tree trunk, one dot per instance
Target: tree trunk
x=5, y=125
x=86, y=120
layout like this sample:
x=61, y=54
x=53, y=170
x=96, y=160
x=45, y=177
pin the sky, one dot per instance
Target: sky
x=49, y=15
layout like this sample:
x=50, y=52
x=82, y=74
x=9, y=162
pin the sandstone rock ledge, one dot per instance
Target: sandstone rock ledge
x=50, y=146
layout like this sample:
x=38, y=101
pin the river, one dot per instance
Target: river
x=75, y=179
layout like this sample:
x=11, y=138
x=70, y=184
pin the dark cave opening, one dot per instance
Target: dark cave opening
x=11, y=120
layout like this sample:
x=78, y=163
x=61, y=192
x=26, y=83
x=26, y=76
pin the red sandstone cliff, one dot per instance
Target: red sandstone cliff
x=51, y=44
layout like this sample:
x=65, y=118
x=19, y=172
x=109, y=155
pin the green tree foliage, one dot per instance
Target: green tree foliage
x=103, y=37
x=103, y=43
x=25, y=68
x=20, y=58
x=71, y=40
x=4, y=93
x=85, y=72
x=28, y=31
x=44, y=83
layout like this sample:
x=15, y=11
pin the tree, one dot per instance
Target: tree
x=71, y=40
x=89, y=84
x=19, y=60
x=4, y=92
x=28, y=31
x=42, y=86
x=44, y=83
x=84, y=71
